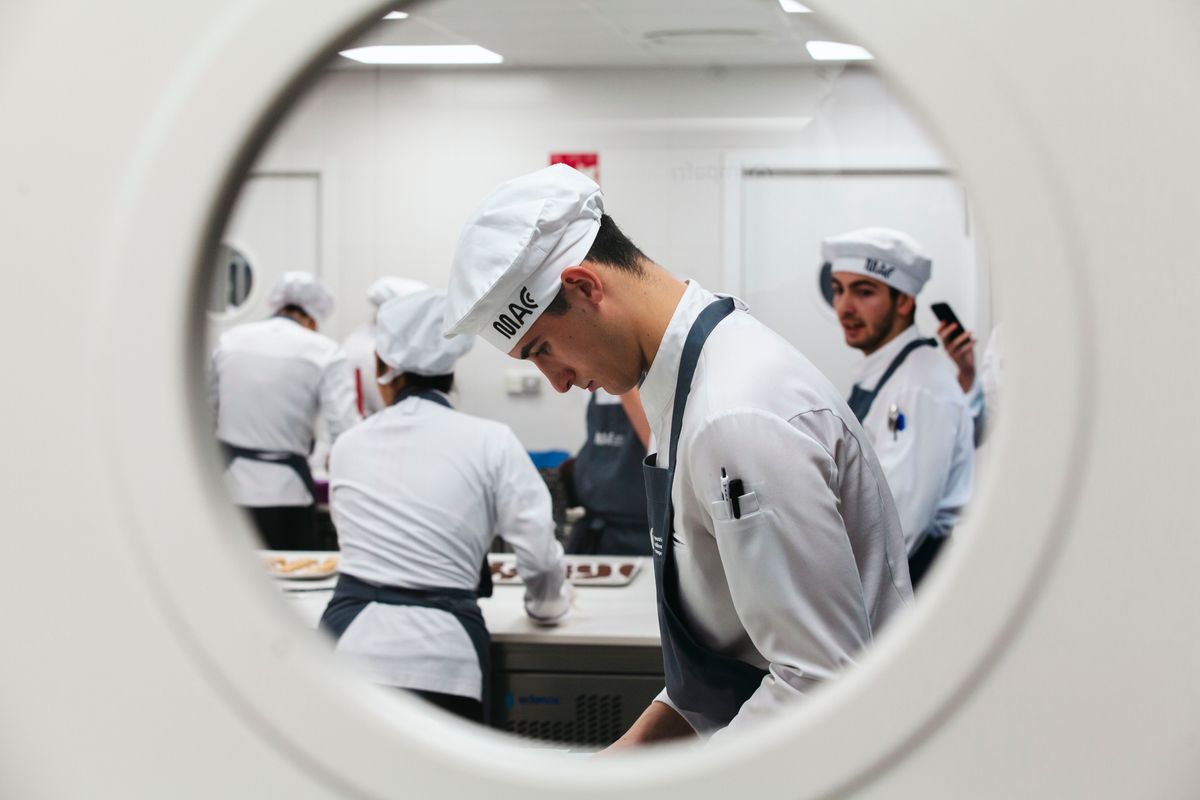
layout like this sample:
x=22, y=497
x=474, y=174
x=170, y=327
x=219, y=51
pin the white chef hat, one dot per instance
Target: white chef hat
x=886, y=255
x=390, y=286
x=408, y=336
x=302, y=289
x=513, y=249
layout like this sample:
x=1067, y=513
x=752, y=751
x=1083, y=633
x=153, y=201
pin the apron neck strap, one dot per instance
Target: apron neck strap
x=716, y=311
x=899, y=359
x=431, y=395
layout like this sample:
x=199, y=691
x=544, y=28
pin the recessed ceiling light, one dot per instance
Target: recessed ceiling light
x=837, y=51
x=402, y=15
x=423, y=54
x=792, y=7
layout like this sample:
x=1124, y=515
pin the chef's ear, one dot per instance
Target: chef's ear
x=584, y=282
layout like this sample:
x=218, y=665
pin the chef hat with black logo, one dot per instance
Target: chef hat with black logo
x=390, y=286
x=304, y=290
x=511, y=254
x=884, y=254
x=408, y=336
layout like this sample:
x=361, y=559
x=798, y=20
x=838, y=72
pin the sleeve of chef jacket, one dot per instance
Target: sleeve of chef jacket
x=524, y=519
x=338, y=401
x=791, y=571
x=917, y=460
x=214, y=385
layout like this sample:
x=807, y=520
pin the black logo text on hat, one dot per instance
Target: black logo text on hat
x=508, y=325
x=876, y=267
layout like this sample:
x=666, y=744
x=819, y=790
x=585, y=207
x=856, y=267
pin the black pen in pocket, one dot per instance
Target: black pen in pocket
x=735, y=491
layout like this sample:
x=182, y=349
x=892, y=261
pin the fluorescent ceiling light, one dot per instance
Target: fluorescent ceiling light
x=396, y=15
x=836, y=51
x=423, y=54
x=792, y=7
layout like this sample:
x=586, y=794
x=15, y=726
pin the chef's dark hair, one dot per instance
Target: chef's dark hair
x=292, y=308
x=442, y=383
x=612, y=248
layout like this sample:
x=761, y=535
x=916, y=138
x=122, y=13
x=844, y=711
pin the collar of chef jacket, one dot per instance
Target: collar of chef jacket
x=658, y=389
x=871, y=369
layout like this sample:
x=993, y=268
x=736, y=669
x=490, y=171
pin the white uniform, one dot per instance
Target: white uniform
x=930, y=463
x=267, y=382
x=359, y=348
x=417, y=493
x=800, y=583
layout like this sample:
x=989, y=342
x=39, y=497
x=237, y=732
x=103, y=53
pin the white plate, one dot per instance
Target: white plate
x=313, y=569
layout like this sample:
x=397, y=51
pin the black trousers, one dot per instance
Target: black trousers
x=923, y=557
x=466, y=707
x=286, y=527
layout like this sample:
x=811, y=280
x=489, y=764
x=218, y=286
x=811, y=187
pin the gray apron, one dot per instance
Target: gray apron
x=608, y=483
x=860, y=399
x=698, y=679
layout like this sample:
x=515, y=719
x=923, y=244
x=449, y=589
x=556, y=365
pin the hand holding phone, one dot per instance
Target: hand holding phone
x=946, y=315
x=959, y=343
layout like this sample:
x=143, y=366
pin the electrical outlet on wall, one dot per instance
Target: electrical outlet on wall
x=522, y=383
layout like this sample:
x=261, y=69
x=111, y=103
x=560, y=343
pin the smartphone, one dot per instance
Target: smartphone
x=946, y=314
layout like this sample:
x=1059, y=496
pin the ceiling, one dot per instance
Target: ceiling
x=608, y=33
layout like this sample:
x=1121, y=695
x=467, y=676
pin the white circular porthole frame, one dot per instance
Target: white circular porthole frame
x=227, y=93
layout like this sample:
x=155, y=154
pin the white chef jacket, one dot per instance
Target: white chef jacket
x=816, y=564
x=418, y=492
x=267, y=382
x=930, y=464
x=984, y=395
x=359, y=348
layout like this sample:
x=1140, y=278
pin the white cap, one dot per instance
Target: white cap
x=390, y=286
x=886, y=255
x=302, y=289
x=408, y=336
x=512, y=251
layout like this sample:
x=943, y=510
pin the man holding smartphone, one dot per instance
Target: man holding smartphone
x=905, y=394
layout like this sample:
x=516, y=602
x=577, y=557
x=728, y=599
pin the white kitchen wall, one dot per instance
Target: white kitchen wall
x=404, y=156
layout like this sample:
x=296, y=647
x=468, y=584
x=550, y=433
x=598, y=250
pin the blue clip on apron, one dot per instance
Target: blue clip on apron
x=861, y=400
x=698, y=679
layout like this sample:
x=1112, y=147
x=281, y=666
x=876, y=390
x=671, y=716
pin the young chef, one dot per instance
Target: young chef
x=777, y=548
x=905, y=395
x=418, y=492
x=268, y=381
x=359, y=346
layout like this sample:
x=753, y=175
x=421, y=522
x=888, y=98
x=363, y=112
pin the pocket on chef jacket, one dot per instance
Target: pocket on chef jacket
x=748, y=506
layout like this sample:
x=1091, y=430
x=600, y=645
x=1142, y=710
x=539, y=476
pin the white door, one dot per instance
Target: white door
x=276, y=228
x=784, y=216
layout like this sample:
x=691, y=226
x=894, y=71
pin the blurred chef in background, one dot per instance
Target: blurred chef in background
x=905, y=394
x=418, y=492
x=605, y=478
x=268, y=381
x=359, y=346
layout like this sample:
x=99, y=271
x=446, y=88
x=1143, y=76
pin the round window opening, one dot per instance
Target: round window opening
x=372, y=529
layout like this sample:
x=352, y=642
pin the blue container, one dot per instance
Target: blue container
x=548, y=459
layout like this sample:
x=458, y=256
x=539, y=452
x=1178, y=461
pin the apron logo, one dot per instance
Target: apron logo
x=656, y=543
x=508, y=325
x=877, y=267
x=608, y=439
